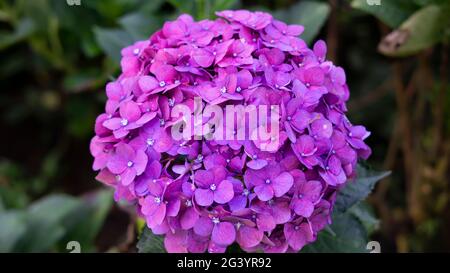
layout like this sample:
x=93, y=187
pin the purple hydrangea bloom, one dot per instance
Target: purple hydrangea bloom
x=265, y=194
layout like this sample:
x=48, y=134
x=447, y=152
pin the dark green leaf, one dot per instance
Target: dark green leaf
x=363, y=212
x=140, y=26
x=112, y=41
x=423, y=29
x=350, y=237
x=150, y=243
x=24, y=29
x=44, y=229
x=392, y=13
x=13, y=226
x=311, y=14
x=358, y=189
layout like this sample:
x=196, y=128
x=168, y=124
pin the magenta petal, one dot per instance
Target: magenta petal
x=189, y=218
x=176, y=242
x=248, y=237
x=204, y=197
x=297, y=239
x=116, y=164
x=130, y=111
x=158, y=216
x=113, y=123
x=203, y=178
x=257, y=164
x=223, y=233
x=265, y=222
x=224, y=192
x=127, y=177
x=173, y=207
x=148, y=83
x=282, y=184
x=203, y=226
x=140, y=162
x=203, y=57
x=264, y=192
x=303, y=207
x=281, y=212
x=238, y=202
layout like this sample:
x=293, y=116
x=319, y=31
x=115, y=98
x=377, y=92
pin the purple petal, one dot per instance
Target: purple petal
x=224, y=192
x=189, y=218
x=203, y=226
x=248, y=237
x=204, y=197
x=264, y=192
x=303, y=207
x=223, y=234
x=282, y=184
x=140, y=162
x=130, y=111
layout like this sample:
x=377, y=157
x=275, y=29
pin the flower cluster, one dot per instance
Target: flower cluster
x=203, y=194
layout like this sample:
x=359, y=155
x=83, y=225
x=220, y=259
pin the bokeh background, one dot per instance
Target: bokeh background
x=57, y=55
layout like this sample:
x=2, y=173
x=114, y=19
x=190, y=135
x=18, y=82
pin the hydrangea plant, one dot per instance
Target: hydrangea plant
x=203, y=194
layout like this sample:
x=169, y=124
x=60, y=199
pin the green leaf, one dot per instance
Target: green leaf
x=350, y=237
x=23, y=30
x=44, y=222
x=138, y=25
x=423, y=29
x=218, y=5
x=392, y=13
x=84, y=224
x=363, y=212
x=358, y=189
x=311, y=14
x=183, y=5
x=13, y=226
x=150, y=243
x=112, y=41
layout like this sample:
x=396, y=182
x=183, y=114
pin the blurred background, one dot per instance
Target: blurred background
x=57, y=55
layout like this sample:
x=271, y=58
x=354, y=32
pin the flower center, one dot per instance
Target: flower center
x=213, y=187
x=238, y=89
x=267, y=181
x=188, y=203
x=136, y=51
x=296, y=227
x=223, y=89
x=200, y=158
x=130, y=164
x=150, y=142
x=289, y=118
x=245, y=192
x=162, y=83
x=215, y=220
x=157, y=200
x=300, y=196
x=124, y=122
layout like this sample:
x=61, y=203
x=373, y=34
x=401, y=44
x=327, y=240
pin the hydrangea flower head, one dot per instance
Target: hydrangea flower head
x=203, y=192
